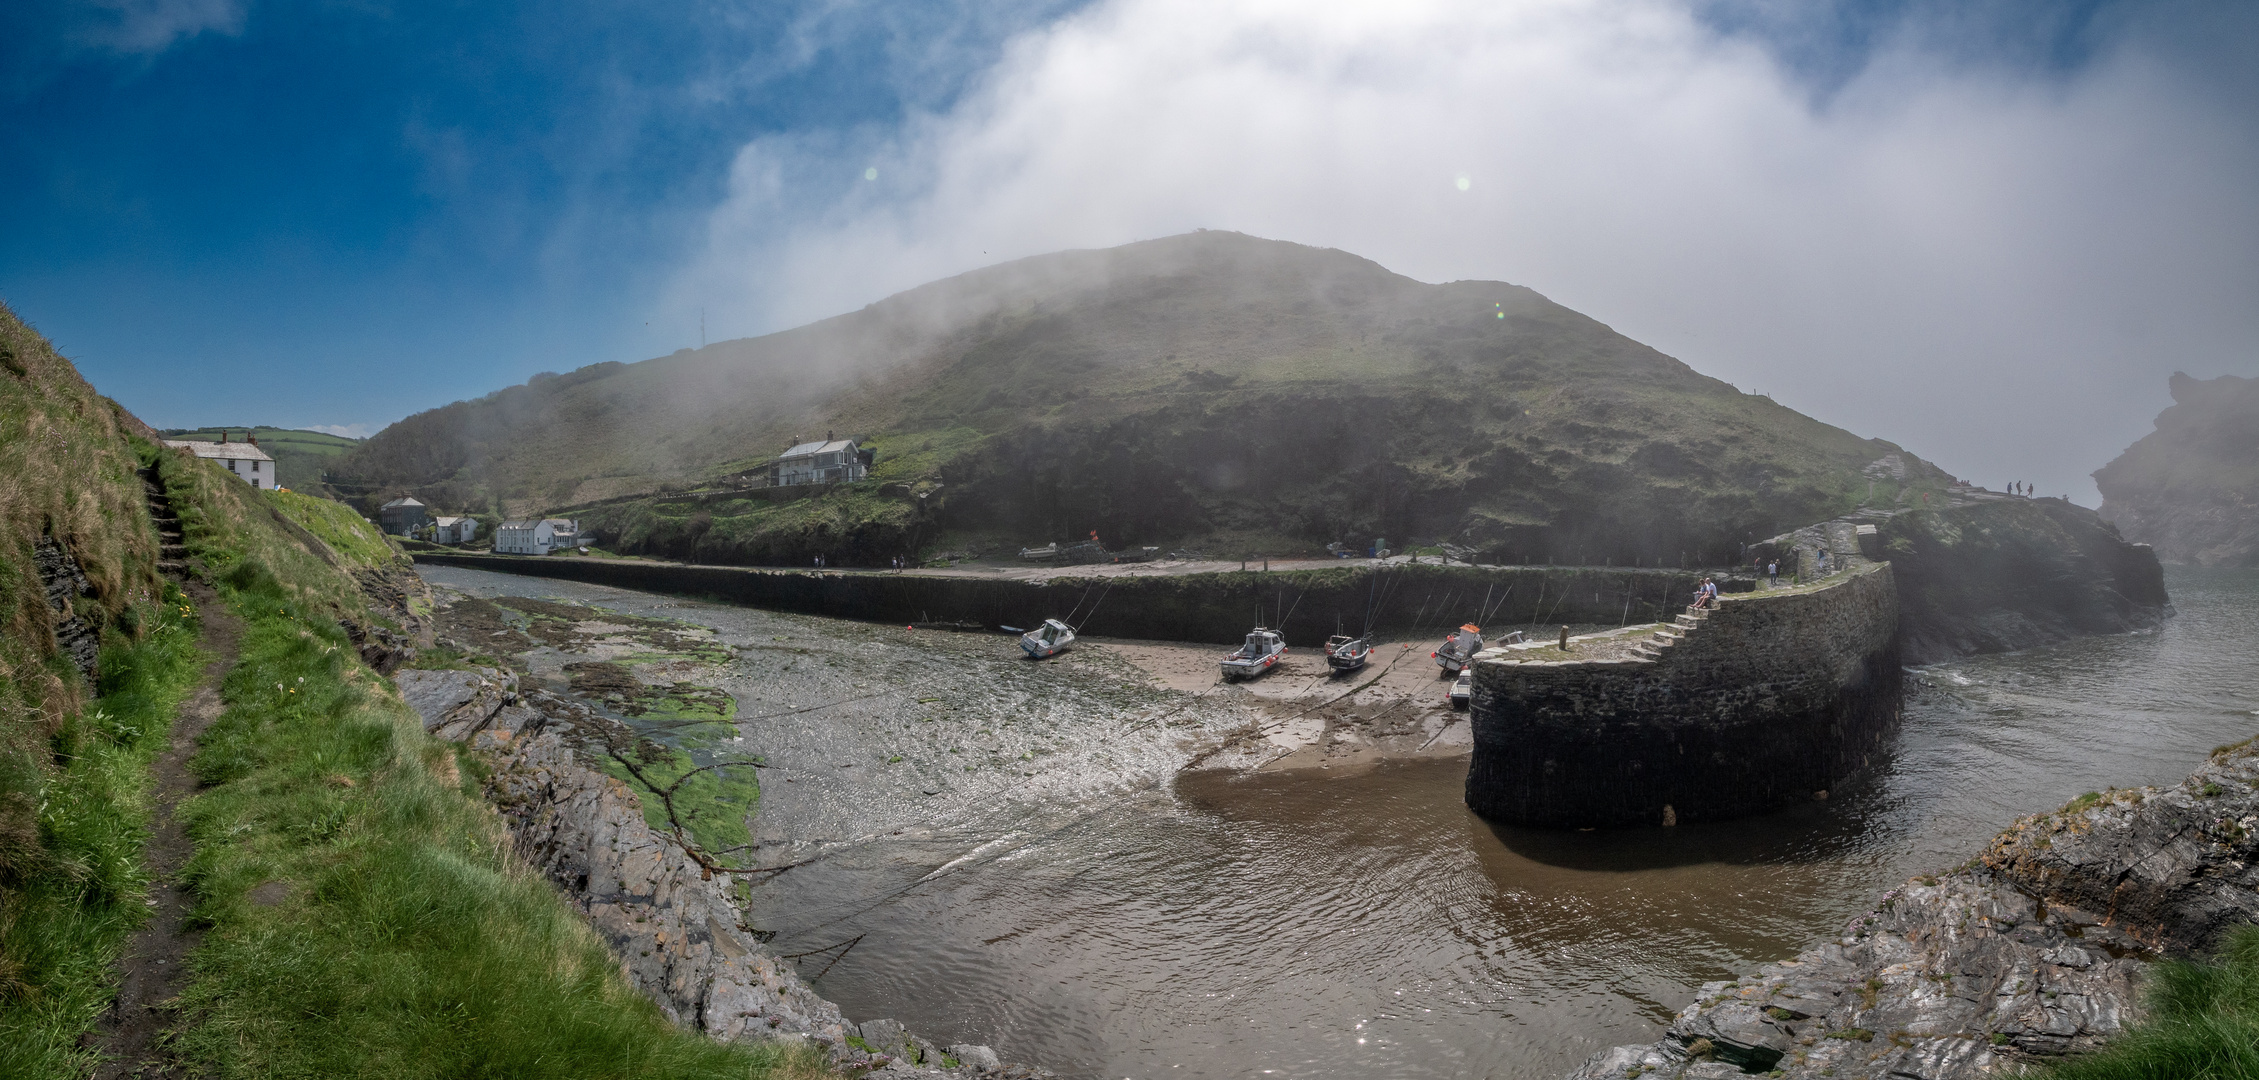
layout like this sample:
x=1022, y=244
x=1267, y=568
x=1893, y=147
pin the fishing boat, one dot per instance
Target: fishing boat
x=1463, y=687
x=1047, y=640
x=1345, y=653
x=1260, y=654
x=1459, y=649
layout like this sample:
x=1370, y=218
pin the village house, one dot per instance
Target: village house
x=453, y=530
x=538, y=537
x=244, y=459
x=831, y=461
x=403, y=516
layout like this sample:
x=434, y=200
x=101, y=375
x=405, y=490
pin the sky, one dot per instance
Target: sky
x=1987, y=230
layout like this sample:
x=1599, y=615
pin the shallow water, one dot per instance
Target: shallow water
x=1117, y=924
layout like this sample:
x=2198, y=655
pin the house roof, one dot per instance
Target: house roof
x=403, y=500
x=809, y=448
x=520, y=524
x=445, y=520
x=235, y=450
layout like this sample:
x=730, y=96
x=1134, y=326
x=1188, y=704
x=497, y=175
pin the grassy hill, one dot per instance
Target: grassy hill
x=357, y=908
x=2191, y=487
x=1208, y=389
x=300, y=456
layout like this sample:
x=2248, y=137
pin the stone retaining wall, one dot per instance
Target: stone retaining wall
x=1210, y=607
x=1769, y=700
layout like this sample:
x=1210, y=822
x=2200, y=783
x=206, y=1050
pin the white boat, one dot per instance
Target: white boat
x=1260, y=654
x=1047, y=640
x=1463, y=687
x=1345, y=653
x=1459, y=649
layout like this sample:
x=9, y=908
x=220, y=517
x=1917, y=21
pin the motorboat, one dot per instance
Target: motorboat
x=1459, y=649
x=1463, y=687
x=1260, y=654
x=1345, y=653
x=1047, y=640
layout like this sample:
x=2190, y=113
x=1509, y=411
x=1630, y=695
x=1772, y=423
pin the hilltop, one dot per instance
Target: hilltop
x=2191, y=487
x=301, y=457
x=1209, y=389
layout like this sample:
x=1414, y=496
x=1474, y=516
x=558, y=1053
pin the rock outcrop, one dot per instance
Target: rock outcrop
x=1992, y=573
x=2191, y=487
x=65, y=584
x=2034, y=950
x=667, y=917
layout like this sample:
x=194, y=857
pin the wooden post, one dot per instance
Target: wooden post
x=1564, y=639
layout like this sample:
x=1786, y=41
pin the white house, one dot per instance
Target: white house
x=537, y=537
x=828, y=462
x=244, y=459
x=454, y=530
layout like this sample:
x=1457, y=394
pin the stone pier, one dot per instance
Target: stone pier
x=1769, y=699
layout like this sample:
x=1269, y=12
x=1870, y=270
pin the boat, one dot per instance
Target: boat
x=1047, y=640
x=1345, y=653
x=1260, y=654
x=1463, y=687
x=1459, y=649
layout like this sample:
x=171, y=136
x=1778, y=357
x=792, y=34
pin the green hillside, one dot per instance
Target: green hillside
x=357, y=909
x=1208, y=389
x=301, y=457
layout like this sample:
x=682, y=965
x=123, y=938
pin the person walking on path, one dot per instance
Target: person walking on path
x=1773, y=574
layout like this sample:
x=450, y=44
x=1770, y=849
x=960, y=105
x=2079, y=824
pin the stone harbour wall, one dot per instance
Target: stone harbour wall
x=1770, y=699
x=1210, y=607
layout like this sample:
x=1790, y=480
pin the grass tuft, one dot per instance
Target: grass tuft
x=2203, y=1022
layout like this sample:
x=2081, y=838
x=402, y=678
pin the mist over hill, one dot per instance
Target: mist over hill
x=2191, y=487
x=1207, y=388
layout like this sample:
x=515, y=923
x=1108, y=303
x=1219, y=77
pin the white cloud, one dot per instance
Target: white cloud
x=152, y=26
x=1996, y=270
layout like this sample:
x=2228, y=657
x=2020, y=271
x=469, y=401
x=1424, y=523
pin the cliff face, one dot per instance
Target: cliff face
x=2191, y=488
x=2031, y=951
x=2000, y=574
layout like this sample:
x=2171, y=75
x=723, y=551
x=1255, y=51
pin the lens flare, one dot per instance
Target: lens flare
x=1465, y=181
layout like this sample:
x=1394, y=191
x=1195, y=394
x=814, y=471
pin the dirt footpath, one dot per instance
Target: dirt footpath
x=154, y=968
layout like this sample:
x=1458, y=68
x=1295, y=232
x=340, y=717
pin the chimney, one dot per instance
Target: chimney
x=827, y=437
x=223, y=436
x=252, y=439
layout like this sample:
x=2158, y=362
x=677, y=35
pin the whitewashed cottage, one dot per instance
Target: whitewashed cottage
x=244, y=459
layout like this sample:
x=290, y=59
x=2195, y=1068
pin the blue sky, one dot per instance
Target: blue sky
x=1984, y=230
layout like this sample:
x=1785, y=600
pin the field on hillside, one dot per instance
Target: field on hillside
x=300, y=456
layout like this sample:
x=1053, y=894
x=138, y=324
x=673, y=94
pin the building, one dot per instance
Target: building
x=454, y=530
x=403, y=516
x=538, y=537
x=244, y=459
x=832, y=461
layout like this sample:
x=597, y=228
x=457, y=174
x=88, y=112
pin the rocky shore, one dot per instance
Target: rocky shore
x=2032, y=950
x=663, y=909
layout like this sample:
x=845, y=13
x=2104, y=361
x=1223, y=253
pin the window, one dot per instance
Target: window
x=254, y=466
